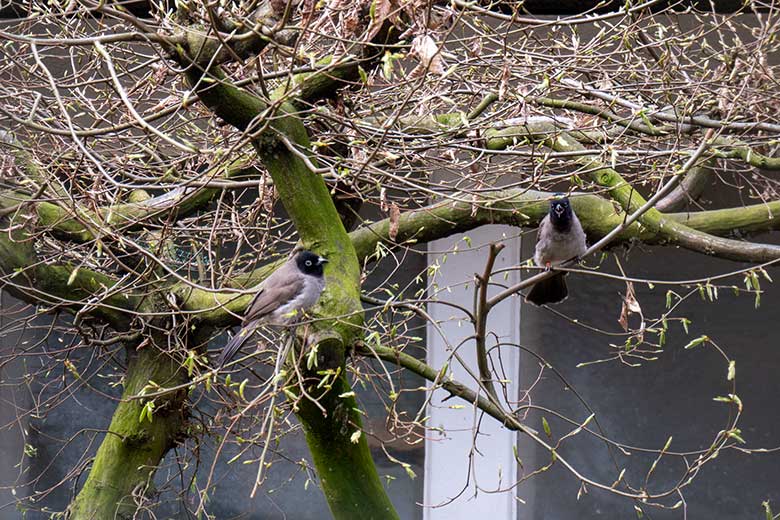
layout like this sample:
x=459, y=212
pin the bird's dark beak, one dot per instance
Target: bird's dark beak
x=321, y=260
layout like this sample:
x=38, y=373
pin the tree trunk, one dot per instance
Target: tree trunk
x=346, y=470
x=124, y=466
x=349, y=478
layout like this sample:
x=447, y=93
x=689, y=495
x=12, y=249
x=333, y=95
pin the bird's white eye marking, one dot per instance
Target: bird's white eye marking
x=308, y=263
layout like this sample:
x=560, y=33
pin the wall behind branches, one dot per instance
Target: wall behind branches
x=643, y=406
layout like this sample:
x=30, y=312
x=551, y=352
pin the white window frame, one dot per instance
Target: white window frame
x=494, y=467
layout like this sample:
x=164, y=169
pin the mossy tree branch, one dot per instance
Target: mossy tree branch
x=83, y=225
x=516, y=207
x=349, y=478
x=673, y=231
x=131, y=448
x=550, y=135
x=123, y=468
x=65, y=285
x=526, y=208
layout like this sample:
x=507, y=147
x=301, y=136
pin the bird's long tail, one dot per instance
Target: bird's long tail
x=549, y=290
x=235, y=344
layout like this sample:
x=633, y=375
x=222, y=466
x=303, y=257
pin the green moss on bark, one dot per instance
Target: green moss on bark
x=131, y=450
x=63, y=284
x=349, y=478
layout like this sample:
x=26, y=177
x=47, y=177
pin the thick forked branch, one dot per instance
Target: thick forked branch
x=481, y=311
x=349, y=478
x=124, y=465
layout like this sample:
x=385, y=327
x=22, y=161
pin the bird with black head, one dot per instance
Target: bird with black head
x=560, y=238
x=281, y=298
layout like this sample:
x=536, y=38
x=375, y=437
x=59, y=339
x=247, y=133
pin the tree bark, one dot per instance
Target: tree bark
x=124, y=466
x=132, y=448
x=347, y=472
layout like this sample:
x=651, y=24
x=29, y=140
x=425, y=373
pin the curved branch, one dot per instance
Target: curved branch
x=690, y=188
x=507, y=419
x=74, y=287
x=671, y=230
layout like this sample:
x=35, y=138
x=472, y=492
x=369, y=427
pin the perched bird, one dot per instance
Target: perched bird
x=291, y=289
x=560, y=238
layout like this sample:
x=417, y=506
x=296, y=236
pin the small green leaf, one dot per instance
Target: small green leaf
x=189, y=362
x=72, y=276
x=241, y=388
x=685, y=322
x=311, y=357
x=732, y=371
x=546, y=427
x=731, y=399
x=146, y=411
x=697, y=341
x=517, y=456
x=736, y=433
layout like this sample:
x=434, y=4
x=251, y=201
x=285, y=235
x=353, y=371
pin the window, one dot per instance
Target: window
x=471, y=453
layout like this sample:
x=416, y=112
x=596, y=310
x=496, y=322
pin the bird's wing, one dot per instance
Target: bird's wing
x=579, y=233
x=279, y=288
x=544, y=227
x=542, y=241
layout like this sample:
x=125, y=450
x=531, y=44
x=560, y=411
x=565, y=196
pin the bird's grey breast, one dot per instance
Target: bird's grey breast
x=307, y=295
x=555, y=246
